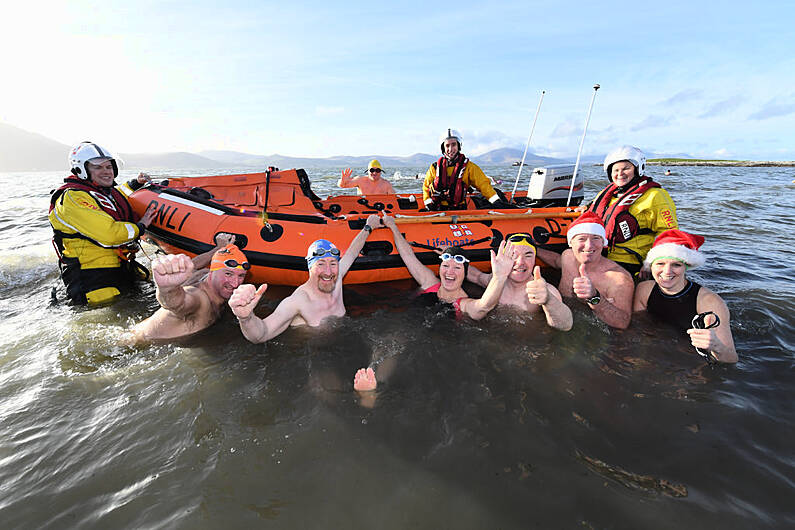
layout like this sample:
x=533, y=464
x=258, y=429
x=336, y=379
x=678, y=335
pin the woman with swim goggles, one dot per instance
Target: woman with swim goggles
x=452, y=271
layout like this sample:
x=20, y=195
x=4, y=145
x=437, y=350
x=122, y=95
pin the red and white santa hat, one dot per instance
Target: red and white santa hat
x=587, y=223
x=678, y=245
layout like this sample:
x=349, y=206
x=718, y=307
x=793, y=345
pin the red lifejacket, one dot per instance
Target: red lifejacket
x=450, y=188
x=112, y=201
x=620, y=225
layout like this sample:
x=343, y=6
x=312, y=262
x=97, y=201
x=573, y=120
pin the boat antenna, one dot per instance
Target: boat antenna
x=582, y=141
x=527, y=145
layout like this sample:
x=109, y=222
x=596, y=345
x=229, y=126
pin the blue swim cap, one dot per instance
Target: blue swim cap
x=322, y=248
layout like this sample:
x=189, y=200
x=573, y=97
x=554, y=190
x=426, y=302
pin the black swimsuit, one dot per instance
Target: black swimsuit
x=677, y=309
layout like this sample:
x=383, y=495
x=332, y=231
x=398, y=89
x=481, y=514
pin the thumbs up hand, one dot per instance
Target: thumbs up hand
x=536, y=288
x=582, y=285
x=245, y=298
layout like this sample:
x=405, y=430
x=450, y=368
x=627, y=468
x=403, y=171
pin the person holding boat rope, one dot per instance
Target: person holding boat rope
x=316, y=299
x=370, y=184
x=95, y=230
x=448, y=179
x=684, y=304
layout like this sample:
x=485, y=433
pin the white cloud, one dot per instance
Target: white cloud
x=321, y=110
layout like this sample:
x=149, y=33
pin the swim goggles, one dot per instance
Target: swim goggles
x=375, y=170
x=232, y=264
x=521, y=238
x=699, y=322
x=458, y=258
x=323, y=251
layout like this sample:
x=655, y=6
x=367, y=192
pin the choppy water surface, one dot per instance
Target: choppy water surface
x=497, y=424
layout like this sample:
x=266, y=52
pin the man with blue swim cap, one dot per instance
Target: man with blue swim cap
x=314, y=300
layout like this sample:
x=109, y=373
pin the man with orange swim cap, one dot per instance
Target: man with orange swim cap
x=188, y=309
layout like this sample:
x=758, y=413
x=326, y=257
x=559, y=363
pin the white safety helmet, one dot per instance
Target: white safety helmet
x=86, y=152
x=450, y=133
x=631, y=154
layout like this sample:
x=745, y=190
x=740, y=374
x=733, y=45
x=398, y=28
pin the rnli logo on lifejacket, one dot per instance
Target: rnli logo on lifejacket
x=104, y=201
x=625, y=231
x=668, y=218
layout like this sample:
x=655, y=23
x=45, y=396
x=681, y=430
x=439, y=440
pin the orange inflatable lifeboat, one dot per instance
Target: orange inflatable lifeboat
x=275, y=216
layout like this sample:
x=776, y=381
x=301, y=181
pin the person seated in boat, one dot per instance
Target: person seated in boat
x=593, y=279
x=525, y=288
x=448, y=179
x=187, y=309
x=671, y=298
x=370, y=184
x=447, y=287
x=634, y=208
x=95, y=231
x=317, y=298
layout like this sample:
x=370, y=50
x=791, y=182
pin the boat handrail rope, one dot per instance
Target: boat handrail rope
x=435, y=218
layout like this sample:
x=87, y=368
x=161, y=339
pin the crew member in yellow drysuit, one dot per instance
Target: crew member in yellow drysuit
x=634, y=208
x=447, y=191
x=94, y=227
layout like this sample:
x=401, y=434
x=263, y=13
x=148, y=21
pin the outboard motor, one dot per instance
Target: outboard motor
x=549, y=186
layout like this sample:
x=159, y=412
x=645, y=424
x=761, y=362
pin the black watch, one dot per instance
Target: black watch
x=595, y=299
x=368, y=229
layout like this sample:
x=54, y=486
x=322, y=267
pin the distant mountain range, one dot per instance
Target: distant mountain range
x=26, y=151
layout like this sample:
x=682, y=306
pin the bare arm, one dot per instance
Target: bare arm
x=539, y=292
x=642, y=292
x=615, y=306
x=255, y=329
x=501, y=265
x=558, y=314
x=477, y=276
x=352, y=252
x=169, y=273
x=346, y=181
x=221, y=240
x=421, y=274
x=718, y=340
x=550, y=258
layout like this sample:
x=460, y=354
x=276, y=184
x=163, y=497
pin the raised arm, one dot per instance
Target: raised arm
x=170, y=272
x=501, y=266
x=421, y=274
x=352, y=252
x=615, y=305
x=346, y=181
x=257, y=330
x=222, y=239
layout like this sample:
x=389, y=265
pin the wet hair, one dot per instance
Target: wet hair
x=457, y=250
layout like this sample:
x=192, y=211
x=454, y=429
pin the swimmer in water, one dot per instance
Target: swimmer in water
x=674, y=299
x=187, y=309
x=370, y=184
x=447, y=287
x=316, y=299
x=525, y=288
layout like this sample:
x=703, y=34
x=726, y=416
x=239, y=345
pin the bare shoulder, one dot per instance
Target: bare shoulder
x=618, y=274
x=642, y=292
x=708, y=300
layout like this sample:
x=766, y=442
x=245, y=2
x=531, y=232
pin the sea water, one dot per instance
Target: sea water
x=501, y=423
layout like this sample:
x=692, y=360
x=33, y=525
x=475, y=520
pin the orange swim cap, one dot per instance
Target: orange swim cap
x=229, y=257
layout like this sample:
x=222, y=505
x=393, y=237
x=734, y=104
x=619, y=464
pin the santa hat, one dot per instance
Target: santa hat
x=587, y=223
x=675, y=244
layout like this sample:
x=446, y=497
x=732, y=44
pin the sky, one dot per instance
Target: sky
x=706, y=79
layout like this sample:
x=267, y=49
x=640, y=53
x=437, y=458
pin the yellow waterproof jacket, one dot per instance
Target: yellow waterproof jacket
x=472, y=176
x=95, y=235
x=655, y=212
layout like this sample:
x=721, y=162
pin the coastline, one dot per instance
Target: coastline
x=723, y=163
